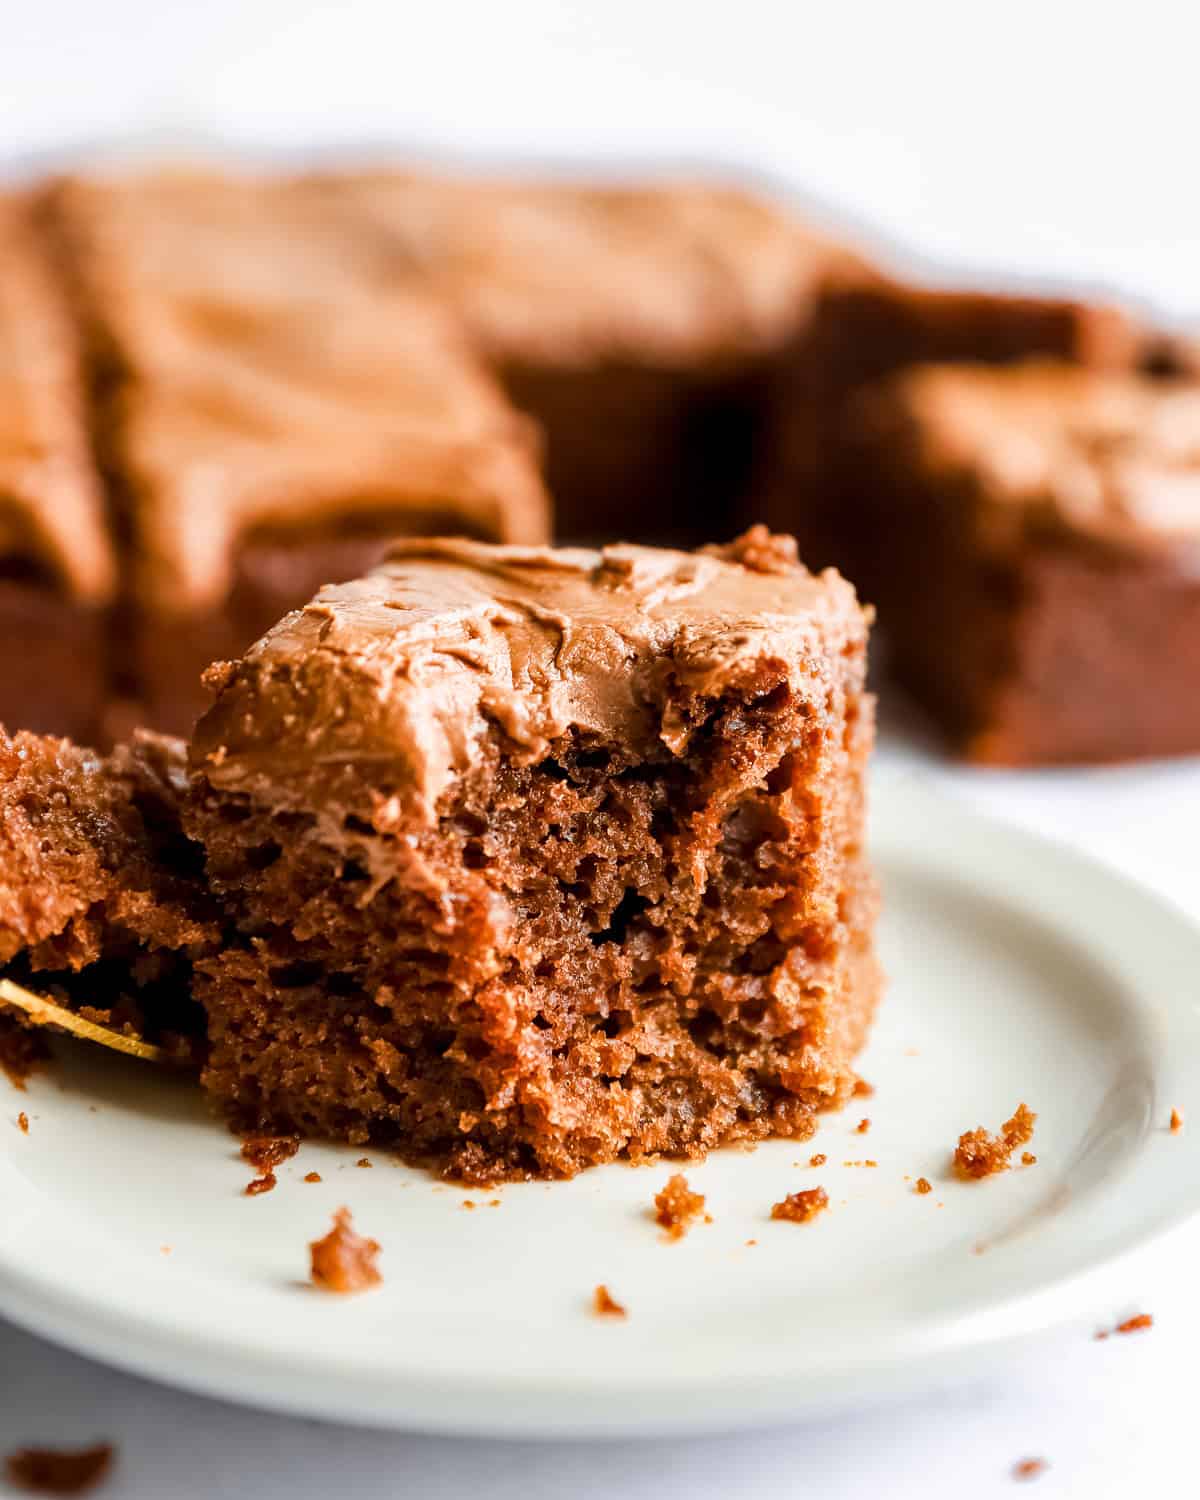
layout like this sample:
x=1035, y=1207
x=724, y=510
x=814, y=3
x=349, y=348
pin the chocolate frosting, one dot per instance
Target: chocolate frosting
x=272, y=376
x=51, y=509
x=402, y=674
x=570, y=273
x=1110, y=457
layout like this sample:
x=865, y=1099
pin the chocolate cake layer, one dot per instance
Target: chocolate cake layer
x=57, y=571
x=638, y=325
x=1036, y=535
x=271, y=406
x=538, y=858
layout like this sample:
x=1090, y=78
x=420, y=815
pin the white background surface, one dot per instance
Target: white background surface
x=1054, y=142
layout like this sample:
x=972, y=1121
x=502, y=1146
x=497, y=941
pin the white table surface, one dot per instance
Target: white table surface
x=1111, y=1419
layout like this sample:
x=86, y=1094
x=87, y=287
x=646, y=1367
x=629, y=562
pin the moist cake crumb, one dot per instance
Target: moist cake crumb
x=1135, y=1325
x=312, y=1176
x=1176, y=1122
x=818, y=1160
x=269, y=1151
x=344, y=1261
x=55, y=1471
x=363, y=1161
x=1030, y=1468
x=863, y=1089
x=981, y=1154
x=1028, y=1159
x=799, y=1208
x=676, y=1207
x=23, y=1123
x=469, y=1203
x=924, y=1185
x=605, y=1305
x=262, y=1184
x=862, y=1127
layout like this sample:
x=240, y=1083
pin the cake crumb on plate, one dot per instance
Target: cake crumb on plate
x=799, y=1208
x=344, y=1261
x=605, y=1305
x=980, y=1154
x=676, y=1207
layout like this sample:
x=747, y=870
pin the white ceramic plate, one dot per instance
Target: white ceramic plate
x=1019, y=972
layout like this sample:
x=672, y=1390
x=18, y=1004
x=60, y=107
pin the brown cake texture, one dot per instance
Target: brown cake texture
x=541, y=858
x=270, y=408
x=639, y=325
x=1036, y=532
x=57, y=570
x=102, y=900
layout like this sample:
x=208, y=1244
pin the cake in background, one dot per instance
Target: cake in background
x=58, y=573
x=1036, y=531
x=640, y=325
x=270, y=408
x=281, y=372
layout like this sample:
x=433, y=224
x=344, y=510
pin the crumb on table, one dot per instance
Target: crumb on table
x=344, y=1261
x=799, y=1208
x=1176, y=1122
x=863, y=1089
x=605, y=1305
x=312, y=1176
x=862, y=1127
x=1136, y=1324
x=363, y=1161
x=981, y=1154
x=818, y=1160
x=263, y=1184
x=55, y=1471
x=23, y=1123
x=1029, y=1468
x=923, y=1185
x=676, y=1207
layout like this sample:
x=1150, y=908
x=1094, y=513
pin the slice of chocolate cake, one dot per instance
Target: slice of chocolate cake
x=102, y=902
x=541, y=858
x=57, y=571
x=868, y=326
x=638, y=325
x=1041, y=530
x=272, y=408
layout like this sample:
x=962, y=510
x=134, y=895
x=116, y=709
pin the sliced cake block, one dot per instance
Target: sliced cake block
x=57, y=569
x=867, y=327
x=272, y=408
x=638, y=325
x=1040, y=527
x=541, y=858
